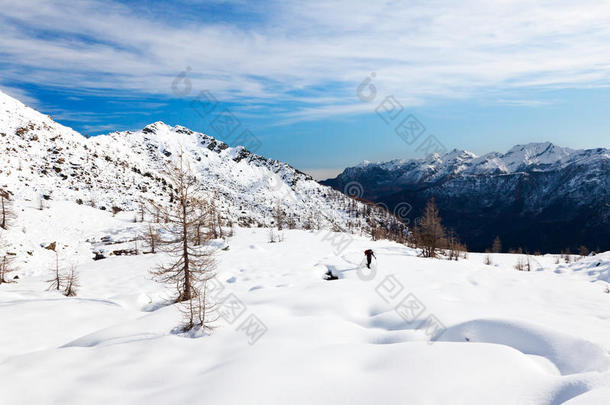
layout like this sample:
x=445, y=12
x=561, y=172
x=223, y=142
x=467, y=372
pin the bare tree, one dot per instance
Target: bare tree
x=142, y=210
x=56, y=281
x=191, y=265
x=429, y=232
x=6, y=209
x=150, y=238
x=197, y=312
x=583, y=251
x=6, y=263
x=279, y=216
x=496, y=247
x=205, y=227
x=523, y=264
x=566, y=255
x=6, y=267
x=219, y=221
x=72, y=282
x=455, y=248
x=211, y=219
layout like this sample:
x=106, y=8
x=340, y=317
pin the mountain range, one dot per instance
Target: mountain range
x=538, y=196
x=41, y=159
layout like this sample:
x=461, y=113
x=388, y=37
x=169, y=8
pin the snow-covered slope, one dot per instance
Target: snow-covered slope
x=39, y=157
x=563, y=194
x=511, y=337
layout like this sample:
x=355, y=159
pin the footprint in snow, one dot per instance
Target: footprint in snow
x=231, y=280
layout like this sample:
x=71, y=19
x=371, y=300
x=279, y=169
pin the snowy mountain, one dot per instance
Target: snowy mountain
x=41, y=158
x=536, y=196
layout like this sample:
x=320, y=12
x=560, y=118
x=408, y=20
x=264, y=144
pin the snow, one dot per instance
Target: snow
x=41, y=157
x=412, y=330
x=537, y=156
x=511, y=337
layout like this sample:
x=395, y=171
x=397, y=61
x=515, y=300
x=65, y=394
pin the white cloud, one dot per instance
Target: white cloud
x=418, y=49
x=21, y=95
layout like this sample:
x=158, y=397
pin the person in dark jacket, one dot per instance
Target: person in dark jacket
x=369, y=255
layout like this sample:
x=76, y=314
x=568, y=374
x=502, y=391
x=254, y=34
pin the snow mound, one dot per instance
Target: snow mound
x=569, y=354
x=593, y=267
x=598, y=396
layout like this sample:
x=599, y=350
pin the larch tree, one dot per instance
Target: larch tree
x=279, y=216
x=6, y=262
x=454, y=246
x=72, y=282
x=150, y=238
x=6, y=209
x=191, y=263
x=496, y=247
x=428, y=232
x=56, y=281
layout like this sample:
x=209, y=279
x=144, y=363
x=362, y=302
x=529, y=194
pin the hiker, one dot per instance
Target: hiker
x=369, y=253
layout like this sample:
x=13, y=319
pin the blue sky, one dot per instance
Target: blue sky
x=477, y=76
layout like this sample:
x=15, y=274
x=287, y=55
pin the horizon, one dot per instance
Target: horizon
x=319, y=87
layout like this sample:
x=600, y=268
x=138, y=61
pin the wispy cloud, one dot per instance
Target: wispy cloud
x=101, y=128
x=21, y=95
x=525, y=102
x=419, y=49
